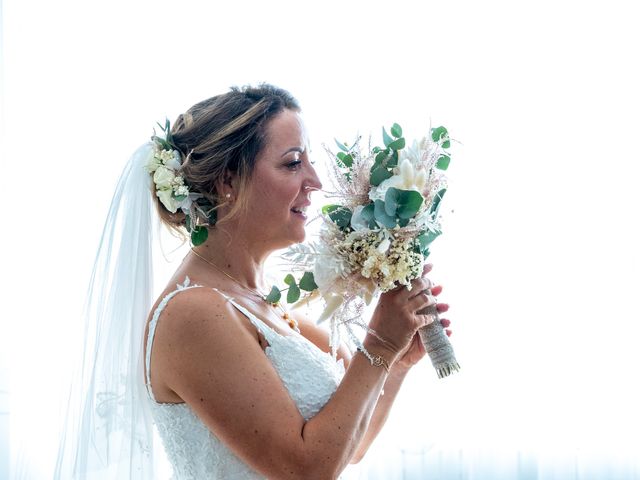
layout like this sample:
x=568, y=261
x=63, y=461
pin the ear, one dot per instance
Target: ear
x=227, y=185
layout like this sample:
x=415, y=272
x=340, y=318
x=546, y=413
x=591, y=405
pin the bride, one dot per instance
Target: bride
x=236, y=386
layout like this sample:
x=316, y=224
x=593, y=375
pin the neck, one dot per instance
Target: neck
x=232, y=254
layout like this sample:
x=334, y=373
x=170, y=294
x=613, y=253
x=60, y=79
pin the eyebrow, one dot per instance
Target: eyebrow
x=293, y=149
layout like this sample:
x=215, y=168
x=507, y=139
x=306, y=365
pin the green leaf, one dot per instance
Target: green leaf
x=346, y=159
x=368, y=214
x=403, y=222
x=409, y=202
x=396, y=130
x=187, y=223
x=199, y=236
x=426, y=253
x=391, y=201
x=378, y=175
x=293, y=295
x=274, y=295
x=308, y=282
x=425, y=239
x=341, y=216
x=341, y=146
x=289, y=280
x=436, y=201
x=381, y=156
x=376, y=150
x=386, y=138
x=381, y=215
x=443, y=162
x=180, y=198
x=398, y=144
x=329, y=208
x=440, y=134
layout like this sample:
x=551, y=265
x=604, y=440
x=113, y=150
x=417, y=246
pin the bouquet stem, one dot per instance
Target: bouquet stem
x=436, y=343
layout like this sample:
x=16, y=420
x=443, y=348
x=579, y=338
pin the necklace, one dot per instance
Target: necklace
x=285, y=315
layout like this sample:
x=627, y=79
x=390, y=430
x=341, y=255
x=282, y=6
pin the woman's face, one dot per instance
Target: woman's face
x=283, y=178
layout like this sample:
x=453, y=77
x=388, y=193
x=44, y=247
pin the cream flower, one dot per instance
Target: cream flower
x=153, y=164
x=407, y=177
x=163, y=178
x=171, y=159
x=167, y=199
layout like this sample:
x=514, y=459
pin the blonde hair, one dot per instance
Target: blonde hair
x=221, y=135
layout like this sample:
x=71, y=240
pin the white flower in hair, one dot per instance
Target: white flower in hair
x=163, y=178
x=168, y=200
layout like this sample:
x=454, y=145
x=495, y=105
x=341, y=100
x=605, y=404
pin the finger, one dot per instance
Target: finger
x=427, y=268
x=448, y=332
x=445, y=322
x=421, y=301
x=436, y=290
x=420, y=285
x=442, y=307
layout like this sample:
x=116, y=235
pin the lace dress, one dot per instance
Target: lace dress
x=310, y=376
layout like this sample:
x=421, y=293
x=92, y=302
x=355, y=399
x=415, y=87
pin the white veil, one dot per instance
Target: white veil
x=108, y=432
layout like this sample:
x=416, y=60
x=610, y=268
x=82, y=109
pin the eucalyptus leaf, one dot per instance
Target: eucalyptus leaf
x=341, y=216
x=386, y=138
x=329, y=208
x=409, y=202
x=440, y=134
x=436, y=201
x=368, y=214
x=403, y=222
x=381, y=215
x=289, y=280
x=180, y=198
x=308, y=282
x=341, y=146
x=381, y=156
x=378, y=175
x=347, y=160
x=274, y=295
x=293, y=294
x=187, y=223
x=443, y=162
x=199, y=235
x=398, y=144
x=396, y=130
x=391, y=201
x=425, y=239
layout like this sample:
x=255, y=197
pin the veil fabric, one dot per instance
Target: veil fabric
x=108, y=432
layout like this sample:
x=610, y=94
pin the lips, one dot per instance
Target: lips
x=301, y=210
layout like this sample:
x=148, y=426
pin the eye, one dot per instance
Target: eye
x=294, y=165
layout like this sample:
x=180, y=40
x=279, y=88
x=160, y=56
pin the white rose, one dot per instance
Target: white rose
x=163, y=178
x=166, y=197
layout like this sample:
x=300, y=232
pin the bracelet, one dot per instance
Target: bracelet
x=376, y=360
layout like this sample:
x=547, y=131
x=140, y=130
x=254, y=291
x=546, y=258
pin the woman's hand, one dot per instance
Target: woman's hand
x=415, y=351
x=395, y=319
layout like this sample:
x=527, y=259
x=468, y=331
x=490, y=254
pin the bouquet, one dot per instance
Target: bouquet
x=376, y=235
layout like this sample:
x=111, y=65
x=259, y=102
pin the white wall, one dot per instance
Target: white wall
x=539, y=258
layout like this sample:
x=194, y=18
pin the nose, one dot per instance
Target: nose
x=313, y=181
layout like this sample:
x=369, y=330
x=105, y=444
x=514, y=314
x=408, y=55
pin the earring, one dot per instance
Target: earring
x=227, y=196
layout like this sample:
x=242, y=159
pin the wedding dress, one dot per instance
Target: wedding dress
x=310, y=376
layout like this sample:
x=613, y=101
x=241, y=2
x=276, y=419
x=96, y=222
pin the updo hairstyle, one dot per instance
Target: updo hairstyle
x=220, y=135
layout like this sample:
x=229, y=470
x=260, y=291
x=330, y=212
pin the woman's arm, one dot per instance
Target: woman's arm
x=204, y=352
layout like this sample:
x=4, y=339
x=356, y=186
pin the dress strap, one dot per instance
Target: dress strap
x=152, y=328
x=268, y=332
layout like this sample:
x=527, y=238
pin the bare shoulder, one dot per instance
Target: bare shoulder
x=319, y=336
